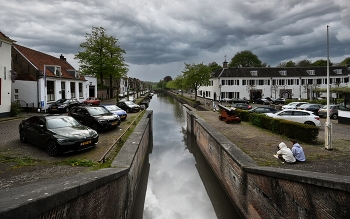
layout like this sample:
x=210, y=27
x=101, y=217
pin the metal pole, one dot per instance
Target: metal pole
x=328, y=124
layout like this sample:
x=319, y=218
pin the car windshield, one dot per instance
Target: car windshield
x=95, y=111
x=129, y=103
x=112, y=107
x=61, y=122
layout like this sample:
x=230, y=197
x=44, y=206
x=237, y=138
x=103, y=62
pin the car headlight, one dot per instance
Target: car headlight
x=102, y=121
x=62, y=139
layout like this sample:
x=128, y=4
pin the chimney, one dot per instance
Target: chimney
x=62, y=57
x=224, y=64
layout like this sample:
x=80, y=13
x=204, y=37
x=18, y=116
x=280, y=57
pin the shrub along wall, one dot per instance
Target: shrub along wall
x=299, y=131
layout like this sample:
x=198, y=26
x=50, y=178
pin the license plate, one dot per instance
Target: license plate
x=136, y=108
x=54, y=109
x=115, y=123
x=85, y=143
x=122, y=116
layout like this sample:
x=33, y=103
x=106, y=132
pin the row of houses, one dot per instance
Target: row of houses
x=288, y=82
x=35, y=79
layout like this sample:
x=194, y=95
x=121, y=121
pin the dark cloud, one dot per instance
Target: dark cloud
x=158, y=34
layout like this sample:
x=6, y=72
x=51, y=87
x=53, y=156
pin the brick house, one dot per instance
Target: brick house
x=5, y=75
x=43, y=79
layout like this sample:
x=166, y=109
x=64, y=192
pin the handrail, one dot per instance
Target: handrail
x=103, y=158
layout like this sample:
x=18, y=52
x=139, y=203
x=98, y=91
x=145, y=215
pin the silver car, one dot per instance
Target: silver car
x=333, y=111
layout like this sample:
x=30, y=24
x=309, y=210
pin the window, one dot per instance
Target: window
x=72, y=89
x=4, y=73
x=80, y=89
x=311, y=72
x=319, y=81
x=254, y=73
x=283, y=72
x=244, y=82
x=50, y=91
x=338, y=71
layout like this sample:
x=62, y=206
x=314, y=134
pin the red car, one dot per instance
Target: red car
x=92, y=101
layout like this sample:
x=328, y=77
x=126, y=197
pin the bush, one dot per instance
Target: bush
x=15, y=108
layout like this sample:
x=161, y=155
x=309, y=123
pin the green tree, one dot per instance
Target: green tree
x=196, y=75
x=167, y=78
x=246, y=59
x=346, y=61
x=102, y=56
x=304, y=63
x=214, y=66
x=321, y=62
x=287, y=64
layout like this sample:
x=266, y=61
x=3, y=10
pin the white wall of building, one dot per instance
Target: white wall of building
x=5, y=78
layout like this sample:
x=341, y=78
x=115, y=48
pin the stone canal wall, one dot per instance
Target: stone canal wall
x=266, y=192
x=106, y=193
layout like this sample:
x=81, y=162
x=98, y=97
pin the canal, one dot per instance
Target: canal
x=177, y=181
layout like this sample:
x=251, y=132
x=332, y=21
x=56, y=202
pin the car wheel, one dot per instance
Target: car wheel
x=22, y=136
x=310, y=123
x=334, y=116
x=128, y=110
x=94, y=126
x=52, y=148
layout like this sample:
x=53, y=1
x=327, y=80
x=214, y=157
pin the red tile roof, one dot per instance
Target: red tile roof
x=39, y=59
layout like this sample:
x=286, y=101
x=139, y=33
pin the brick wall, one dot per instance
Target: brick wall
x=266, y=192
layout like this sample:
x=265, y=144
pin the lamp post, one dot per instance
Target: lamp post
x=328, y=124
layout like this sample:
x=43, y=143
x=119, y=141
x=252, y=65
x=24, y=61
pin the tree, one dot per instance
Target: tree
x=321, y=62
x=167, y=78
x=214, y=66
x=287, y=64
x=246, y=59
x=346, y=61
x=196, y=75
x=102, y=56
x=304, y=63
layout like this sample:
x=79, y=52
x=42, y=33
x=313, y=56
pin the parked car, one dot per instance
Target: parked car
x=262, y=101
x=301, y=116
x=333, y=111
x=63, y=105
x=279, y=101
x=96, y=117
x=128, y=106
x=313, y=107
x=116, y=110
x=57, y=133
x=263, y=109
x=92, y=101
x=293, y=105
x=241, y=106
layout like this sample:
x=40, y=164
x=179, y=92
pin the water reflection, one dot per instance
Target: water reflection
x=175, y=188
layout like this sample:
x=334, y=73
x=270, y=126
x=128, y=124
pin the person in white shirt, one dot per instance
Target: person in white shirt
x=284, y=153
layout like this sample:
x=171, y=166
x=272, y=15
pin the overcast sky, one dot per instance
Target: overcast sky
x=160, y=35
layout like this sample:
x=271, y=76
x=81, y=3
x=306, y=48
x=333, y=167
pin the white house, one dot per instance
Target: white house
x=42, y=79
x=5, y=75
x=289, y=82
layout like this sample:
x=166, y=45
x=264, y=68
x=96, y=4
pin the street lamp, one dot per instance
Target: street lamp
x=328, y=124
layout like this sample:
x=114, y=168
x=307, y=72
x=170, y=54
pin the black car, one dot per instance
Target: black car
x=129, y=106
x=310, y=107
x=243, y=106
x=279, y=101
x=57, y=133
x=96, y=117
x=263, y=109
x=63, y=105
x=262, y=101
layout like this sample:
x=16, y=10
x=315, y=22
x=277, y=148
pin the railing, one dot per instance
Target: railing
x=103, y=158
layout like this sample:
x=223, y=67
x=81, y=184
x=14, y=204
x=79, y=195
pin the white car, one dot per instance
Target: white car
x=301, y=116
x=292, y=105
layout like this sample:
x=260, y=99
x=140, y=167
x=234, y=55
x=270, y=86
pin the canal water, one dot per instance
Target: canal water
x=177, y=182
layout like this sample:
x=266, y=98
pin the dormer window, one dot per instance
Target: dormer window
x=283, y=73
x=58, y=72
x=254, y=73
x=77, y=74
x=338, y=71
x=311, y=72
